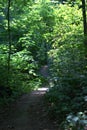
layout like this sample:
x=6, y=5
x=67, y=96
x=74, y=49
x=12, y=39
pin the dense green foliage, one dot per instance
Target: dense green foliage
x=23, y=63
x=68, y=65
x=44, y=33
x=31, y=26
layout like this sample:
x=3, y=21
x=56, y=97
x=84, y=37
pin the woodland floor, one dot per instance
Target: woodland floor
x=27, y=113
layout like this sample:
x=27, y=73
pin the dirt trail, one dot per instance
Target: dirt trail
x=44, y=71
x=28, y=113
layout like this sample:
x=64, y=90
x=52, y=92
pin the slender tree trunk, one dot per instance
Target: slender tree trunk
x=84, y=21
x=9, y=44
x=9, y=37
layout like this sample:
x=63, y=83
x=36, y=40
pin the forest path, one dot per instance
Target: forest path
x=28, y=113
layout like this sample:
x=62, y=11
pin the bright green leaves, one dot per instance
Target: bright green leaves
x=67, y=63
x=36, y=27
x=41, y=31
x=47, y=13
x=68, y=23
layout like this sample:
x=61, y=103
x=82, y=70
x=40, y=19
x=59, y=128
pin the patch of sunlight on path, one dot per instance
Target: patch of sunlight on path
x=43, y=89
x=40, y=91
x=28, y=113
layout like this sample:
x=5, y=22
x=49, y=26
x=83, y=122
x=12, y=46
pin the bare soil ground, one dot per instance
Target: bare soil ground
x=27, y=113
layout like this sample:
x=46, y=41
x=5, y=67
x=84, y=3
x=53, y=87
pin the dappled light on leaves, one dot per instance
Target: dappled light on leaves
x=46, y=50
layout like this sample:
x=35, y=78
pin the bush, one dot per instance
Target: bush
x=68, y=69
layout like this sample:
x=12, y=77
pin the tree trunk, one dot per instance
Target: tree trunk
x=9, y=37
x=9, y=44
x=84, y=21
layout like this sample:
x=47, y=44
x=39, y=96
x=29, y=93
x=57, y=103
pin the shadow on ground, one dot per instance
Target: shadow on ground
x=28, y=113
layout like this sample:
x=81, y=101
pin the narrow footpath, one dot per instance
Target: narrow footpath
x=28, y=113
